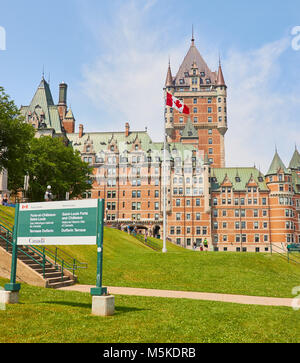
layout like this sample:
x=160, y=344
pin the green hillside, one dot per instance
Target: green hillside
x=129, y=263
x=7, y=216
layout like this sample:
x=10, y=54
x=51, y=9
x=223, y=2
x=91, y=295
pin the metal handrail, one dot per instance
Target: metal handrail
x=8, y=242
x=7, y=223
x=40, y=253
x=285, y=253
x=141, y=239
x=60, y=262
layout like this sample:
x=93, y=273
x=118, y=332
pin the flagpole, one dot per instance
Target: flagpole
x=164, y=250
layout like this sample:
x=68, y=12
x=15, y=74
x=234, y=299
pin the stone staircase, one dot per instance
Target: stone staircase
x=54, y=278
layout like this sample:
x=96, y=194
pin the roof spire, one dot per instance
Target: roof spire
x=169, y=80
x=193, y=38
x=220, y=79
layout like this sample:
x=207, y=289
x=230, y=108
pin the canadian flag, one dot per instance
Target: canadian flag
x=177, y=104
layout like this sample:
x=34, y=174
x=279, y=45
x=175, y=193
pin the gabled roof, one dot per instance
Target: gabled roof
x=70, y=115
x=42, y=102
x=239, y=177
x=226, y=182
x=277, y=165
x=189, y=132
x=194, y=57
x=295, y=162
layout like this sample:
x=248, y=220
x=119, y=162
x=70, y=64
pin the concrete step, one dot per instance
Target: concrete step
x=53, y=280
x=47, y=270
x=58, y=285
x=50, y=275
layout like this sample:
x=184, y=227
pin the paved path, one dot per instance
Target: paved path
x=238, y=299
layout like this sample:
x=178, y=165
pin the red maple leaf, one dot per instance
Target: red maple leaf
x=178, y=104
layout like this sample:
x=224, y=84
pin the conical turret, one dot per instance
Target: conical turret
x=220, y=79
x=276, y=165
x=295, y=162
x=169, y=80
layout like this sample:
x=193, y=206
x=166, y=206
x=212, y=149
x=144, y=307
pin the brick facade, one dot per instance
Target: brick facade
x=233, y=209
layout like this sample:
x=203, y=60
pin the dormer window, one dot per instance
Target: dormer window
x=186, y=74
x=136, y=147
x=88, y=149
x=112, y=148
x=260, y=179
x=208, y=81
x=238, y=179
x=202, y=74
x=181, y=81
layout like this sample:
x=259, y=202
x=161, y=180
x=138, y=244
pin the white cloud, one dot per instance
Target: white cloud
x=261, y=112
x=127, y=79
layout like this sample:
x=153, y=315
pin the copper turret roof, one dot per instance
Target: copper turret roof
x=194, y=59
x=220, y=79
x=169, y=80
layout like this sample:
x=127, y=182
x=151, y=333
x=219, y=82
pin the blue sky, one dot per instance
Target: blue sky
x=114, y=54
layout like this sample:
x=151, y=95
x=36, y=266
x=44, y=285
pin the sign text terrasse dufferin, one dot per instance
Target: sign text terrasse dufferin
x=58, y=223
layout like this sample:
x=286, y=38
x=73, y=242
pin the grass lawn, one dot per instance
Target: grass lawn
x=129, y=263
x=51, y=316
x=7, y=216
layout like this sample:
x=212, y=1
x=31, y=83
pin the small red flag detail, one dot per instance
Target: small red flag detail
x=177, y=104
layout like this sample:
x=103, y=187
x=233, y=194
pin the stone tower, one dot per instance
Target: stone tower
x=205, y=93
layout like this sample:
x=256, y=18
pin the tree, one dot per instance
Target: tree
x=15, y=137
x=53, y=163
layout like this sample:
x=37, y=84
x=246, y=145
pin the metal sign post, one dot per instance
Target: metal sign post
x=13, y=286
x=59, y=223
x=99, y=290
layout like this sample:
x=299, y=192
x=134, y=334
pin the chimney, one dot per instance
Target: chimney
x=62, y=102
x=127, y=129
x=80, y=131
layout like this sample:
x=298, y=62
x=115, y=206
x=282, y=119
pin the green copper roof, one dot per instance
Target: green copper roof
x=295, y=162
x=42, y=102
x=239, y=178
x=276, y=165
x=189, y=132
x=101, y=141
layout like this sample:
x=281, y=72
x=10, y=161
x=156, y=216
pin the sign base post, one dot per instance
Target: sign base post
x=99, y=291
x=12, y=287
x=103, y=305
x=9, y=297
